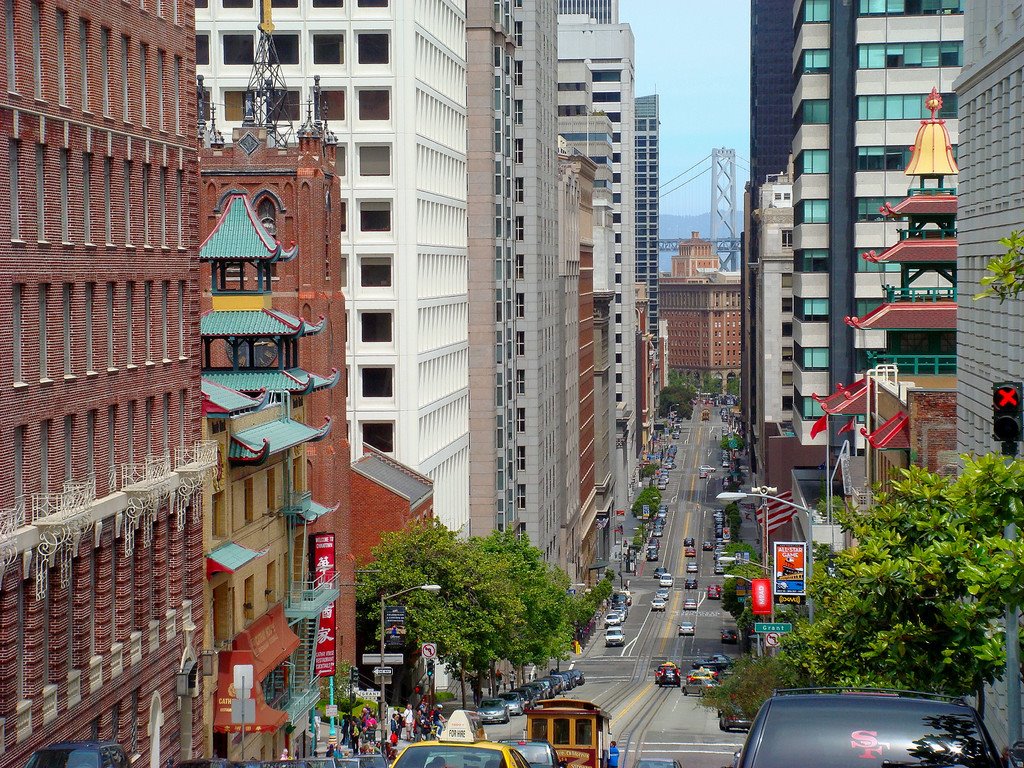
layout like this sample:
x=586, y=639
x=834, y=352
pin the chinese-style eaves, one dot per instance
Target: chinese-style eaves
x=892, y=434
x=851, y=400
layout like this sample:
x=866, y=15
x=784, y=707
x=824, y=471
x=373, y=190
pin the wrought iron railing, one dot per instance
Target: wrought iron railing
x=943, y=293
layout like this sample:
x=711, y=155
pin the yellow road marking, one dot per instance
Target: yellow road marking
x=632, y=702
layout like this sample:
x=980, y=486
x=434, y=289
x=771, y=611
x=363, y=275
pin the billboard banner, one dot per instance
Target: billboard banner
x=761, y=591
x=790, y=583
x=394, y=628
x=321, y=569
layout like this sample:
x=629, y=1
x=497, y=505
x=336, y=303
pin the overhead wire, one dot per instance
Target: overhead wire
x=666, y=183
x=684, y=183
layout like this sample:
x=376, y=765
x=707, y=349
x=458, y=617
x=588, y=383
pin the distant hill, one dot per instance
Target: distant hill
x=672, y=226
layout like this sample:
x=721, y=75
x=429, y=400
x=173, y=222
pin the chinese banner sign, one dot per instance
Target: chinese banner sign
x=761, y=592
x=322, y=569
x=790, y=585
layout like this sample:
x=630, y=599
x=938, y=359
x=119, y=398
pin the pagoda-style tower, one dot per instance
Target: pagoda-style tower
x=270, y=566
x=919, y=315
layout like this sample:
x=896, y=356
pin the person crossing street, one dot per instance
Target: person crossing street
x=613, y=756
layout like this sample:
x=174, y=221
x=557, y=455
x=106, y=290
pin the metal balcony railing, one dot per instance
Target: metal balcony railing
x=944, y=293
x=307, y=599
x=934, y=365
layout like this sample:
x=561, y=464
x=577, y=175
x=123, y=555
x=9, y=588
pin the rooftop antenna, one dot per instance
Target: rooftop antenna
x=266, y=96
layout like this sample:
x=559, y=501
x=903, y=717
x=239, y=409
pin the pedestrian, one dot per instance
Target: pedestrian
x=284, y=754
x=396, y=726
x=330, y=750
x=356, y=733
x=613, y=756
x=409, y=720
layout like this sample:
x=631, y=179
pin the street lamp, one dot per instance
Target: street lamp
x=382, y=706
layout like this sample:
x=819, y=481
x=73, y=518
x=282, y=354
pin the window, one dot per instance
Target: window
x=812, y=310
x=66, y=325
x=807, y=407
x=62, y=77
x=909, y=7
x=380, y=436
x=812, y=212
x=110, y=326
x=328, y=49
x=43, y=343
x=334, y=109
x=12, y=185
x=162, y=205
x=237, y=3
x=815, y=10
x=814, y=111
x=64, y=202
x=128, y=203
x=17, y=294
x=787, y=238
x=373, y=48
x=812, y=358
x=372, y=3
x=815, y=61
x=202, y=50
x=811, y=260
x=107, y=223
x=870, y=208
x=129, y=301
x=903, y=107
x=237, y=49
x=374, y=105
x=145, y=203
x=83, y=61
x=177, y=93
x=375, y=160
x=125, y=113
x=40, y=192
x=375, y=217
x=909, y=55
x=375, y=327
x=812, y=161
x=37, y=52
x=560, y=731
x=378, y=382
x=883, y=158
x=144, y=82
x=287, y=48
x=375, y=272
x=584, y=732
x=12, y=83
x=90, y=298
x=328, y=3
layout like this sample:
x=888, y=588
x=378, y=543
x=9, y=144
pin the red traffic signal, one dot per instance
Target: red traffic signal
x=1007, y=411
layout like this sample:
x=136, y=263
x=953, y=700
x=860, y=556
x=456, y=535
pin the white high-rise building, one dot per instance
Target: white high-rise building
x=393, y=74
x=595, y=66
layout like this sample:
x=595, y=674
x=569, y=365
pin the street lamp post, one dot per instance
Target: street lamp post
x=382, y=706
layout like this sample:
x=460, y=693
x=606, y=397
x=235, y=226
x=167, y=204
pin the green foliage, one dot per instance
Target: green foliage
x=640, y=536
x=918, y=602
x=648, y=470
x=678, y=394
x=733, y=518
x=1006, y=280
x=730, y=602
x=732, y=386
x=750, y=684
x=498, y=599
x=584, y=605
x=649, y=496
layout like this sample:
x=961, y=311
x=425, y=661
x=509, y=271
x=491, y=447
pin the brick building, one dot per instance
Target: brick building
x=703, y=320
x=100, y=535
x=696, y=259
x=389, y=497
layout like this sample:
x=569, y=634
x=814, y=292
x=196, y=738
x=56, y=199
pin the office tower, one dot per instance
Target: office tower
x=101, y=559
x=647, y=202
x=771, y=90
x=595, y=75
x=601, y=11
x=863, y=71
x=393, y=78
x=989, y=334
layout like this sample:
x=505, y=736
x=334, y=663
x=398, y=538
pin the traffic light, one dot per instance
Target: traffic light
x=1007, y=412
x=353, y=677
x=430, y=667
x=417, y=690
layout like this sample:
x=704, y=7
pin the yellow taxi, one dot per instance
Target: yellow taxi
x=462, y=744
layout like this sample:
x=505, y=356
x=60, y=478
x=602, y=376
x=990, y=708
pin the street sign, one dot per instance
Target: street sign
x=331, y=710
x=383, y=671
x=429, y=650
x=389, y=658
x=242, y=678
x=243, y=711
x=772, y=626
x=772, y=639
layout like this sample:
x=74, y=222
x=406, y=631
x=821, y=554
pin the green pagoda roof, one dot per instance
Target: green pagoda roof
x=219, y=400
x=294, y=380
x=254, y=445
x=240, y=236
x=257, y=322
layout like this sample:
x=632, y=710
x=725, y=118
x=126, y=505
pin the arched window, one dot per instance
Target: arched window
x=267, y=212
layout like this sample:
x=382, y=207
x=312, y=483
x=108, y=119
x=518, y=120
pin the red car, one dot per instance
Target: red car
x=691, y=552
x=714, y=592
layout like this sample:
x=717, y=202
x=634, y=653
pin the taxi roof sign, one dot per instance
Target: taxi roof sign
x=462, y=726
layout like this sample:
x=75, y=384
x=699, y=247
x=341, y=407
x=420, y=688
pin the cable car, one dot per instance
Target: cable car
x=577, y=729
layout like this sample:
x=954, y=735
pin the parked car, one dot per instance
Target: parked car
x=730, y=636
x=658, y=532
x=538, y=753
x=719, y=569
x=578, y=676
x=652, y=554
x=733, y=722
x=612, y=619
x=708, y=546
x=79, y=754
x=493, y=711
x=687, y=628
x=614, y=636
x=862, y=728
x=528, y=697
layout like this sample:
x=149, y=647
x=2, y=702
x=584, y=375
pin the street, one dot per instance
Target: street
x=648, y=721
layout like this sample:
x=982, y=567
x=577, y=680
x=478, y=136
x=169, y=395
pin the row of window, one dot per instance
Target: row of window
x=909, y=106
x=813, y=11
x=139, y=67
x=151, y=309
x=895, y=158
x=818, y=260
x=327, y=48
x=295, y=3
x=910, y=55
x=372, y=104
x=143, y=190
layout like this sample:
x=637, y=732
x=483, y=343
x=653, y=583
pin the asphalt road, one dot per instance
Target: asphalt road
x=648, y=721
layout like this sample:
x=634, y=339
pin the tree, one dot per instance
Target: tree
x=678, y=395
x=1006, y=280
x=649, y=497
x=917, y=604
x=750, y=684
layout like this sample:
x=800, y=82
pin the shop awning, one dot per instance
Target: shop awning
x=229, y=557
x=269, y=639
x=267, y=720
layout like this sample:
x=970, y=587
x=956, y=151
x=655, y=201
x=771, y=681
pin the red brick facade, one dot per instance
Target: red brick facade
x=300, y=183
x=703, y=324
x=99, y=305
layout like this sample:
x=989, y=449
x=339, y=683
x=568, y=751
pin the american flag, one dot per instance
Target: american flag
x=778, y=512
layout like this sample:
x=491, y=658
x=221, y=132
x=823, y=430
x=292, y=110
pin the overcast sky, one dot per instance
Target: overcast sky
x=695, y=56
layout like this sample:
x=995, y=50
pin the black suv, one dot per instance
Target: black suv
x=833, y=728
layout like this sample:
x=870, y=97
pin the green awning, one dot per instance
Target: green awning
x=256, y=322
x=294, y=380
x=240, y=236
x=229, y=557
x=219, y=400
x=255, y=444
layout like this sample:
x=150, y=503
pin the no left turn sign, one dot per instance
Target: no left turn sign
x=429, y=650
x=771, y=639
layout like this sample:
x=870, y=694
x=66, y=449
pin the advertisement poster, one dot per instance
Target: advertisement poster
x=761, y=594
x=790, y=582
x=321, y=552
x=394, y=628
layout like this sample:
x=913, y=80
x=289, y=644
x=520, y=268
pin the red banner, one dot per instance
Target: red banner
x=761, y=597
x=322, y=570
